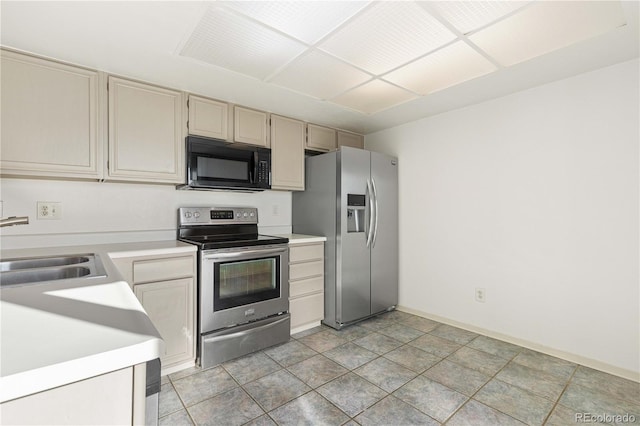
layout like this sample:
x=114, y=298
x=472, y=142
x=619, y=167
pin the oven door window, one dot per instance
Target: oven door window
x=239, y=283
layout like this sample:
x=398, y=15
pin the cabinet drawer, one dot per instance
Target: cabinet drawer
x=306, y=309
x=162, y=269
x=302, y=287
x=306, y=252
x=306, y=270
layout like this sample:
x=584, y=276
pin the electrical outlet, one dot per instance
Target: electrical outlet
x=480, y=294
x=49, y=210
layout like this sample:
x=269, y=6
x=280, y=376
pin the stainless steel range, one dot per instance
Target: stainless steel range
x=243, y=282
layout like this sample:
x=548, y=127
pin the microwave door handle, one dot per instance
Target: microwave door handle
x=253, y=173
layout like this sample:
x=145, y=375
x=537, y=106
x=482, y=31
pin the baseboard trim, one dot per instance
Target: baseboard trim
x=179, y=367
x=305, y=327
x=568, y=356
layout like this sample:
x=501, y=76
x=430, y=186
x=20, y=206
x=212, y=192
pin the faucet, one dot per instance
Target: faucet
x=13, y=220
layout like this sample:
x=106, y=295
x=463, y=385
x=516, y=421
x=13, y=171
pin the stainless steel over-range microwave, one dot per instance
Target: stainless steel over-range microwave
x=213, y=164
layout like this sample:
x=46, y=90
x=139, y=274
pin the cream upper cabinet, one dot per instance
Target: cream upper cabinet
x=146, y=132
x=208, y=118
x=250, y=126
x=350, y=139
x=320, y=138
x=287, y=153
x=50, y=119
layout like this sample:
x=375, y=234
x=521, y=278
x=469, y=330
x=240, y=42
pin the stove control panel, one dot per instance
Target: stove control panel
x=217, y=215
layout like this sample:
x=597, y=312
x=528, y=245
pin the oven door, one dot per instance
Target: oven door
x=242, y=284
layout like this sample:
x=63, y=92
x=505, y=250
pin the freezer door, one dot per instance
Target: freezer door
x=384, y=252
x=353, y=292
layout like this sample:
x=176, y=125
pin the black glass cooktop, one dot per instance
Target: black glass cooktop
x=209, y=242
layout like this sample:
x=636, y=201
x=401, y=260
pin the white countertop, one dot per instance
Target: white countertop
x=302, y=239
x=62, y=331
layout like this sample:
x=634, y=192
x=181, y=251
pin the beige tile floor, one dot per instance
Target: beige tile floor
x=396, y=369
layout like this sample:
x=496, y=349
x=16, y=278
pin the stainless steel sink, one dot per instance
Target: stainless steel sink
x=39, y=275
x=15, y=272
x=42, y=262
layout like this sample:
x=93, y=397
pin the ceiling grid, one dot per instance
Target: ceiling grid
x=371, y=56
x=357, y=65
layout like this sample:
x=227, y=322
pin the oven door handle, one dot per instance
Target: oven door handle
x=243, y=253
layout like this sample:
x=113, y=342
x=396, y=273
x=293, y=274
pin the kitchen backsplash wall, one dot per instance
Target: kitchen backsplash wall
x=105, y=212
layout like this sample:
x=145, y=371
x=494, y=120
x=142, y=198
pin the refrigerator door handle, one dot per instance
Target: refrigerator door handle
x=375, y=205
x=369, y=234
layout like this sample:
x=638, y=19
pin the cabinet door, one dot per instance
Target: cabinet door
x=145, y=133
x=49, y=117
x=105, y=399
x=287, y=153
x=350, y=139
x=169, y=305
x=306, y=309
x=250, y=126
x=208, y=118
x=320, y=138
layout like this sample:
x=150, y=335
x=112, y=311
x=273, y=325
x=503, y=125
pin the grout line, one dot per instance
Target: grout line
x=370, y=332
x=557, y=401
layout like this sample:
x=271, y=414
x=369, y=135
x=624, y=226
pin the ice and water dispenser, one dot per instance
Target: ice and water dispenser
x=355, y=212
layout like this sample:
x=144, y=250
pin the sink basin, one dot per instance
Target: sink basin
x=41, y=262
x=39, y=275
x=15, y=272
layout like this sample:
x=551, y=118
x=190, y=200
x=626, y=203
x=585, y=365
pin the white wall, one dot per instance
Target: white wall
x=104, y=212
x=533, y=197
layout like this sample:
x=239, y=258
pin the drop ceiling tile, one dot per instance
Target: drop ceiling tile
x=373, y=97
x=308, y=21
x=230, y=41
x=448, y=66
x=547, y=26
x=467, y=16
x=386, y=36
x=320, y=75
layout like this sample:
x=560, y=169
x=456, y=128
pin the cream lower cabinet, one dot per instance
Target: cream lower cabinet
x=50, y=119
x=168, y=305
x=108, y=399
x=166, y=288
x=306, y=285
x=146, y=133
x=287, y=153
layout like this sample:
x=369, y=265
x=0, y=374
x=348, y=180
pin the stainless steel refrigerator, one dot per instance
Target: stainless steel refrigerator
x=351, y=197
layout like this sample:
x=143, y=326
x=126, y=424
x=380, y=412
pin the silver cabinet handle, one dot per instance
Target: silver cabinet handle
x=375, y=198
